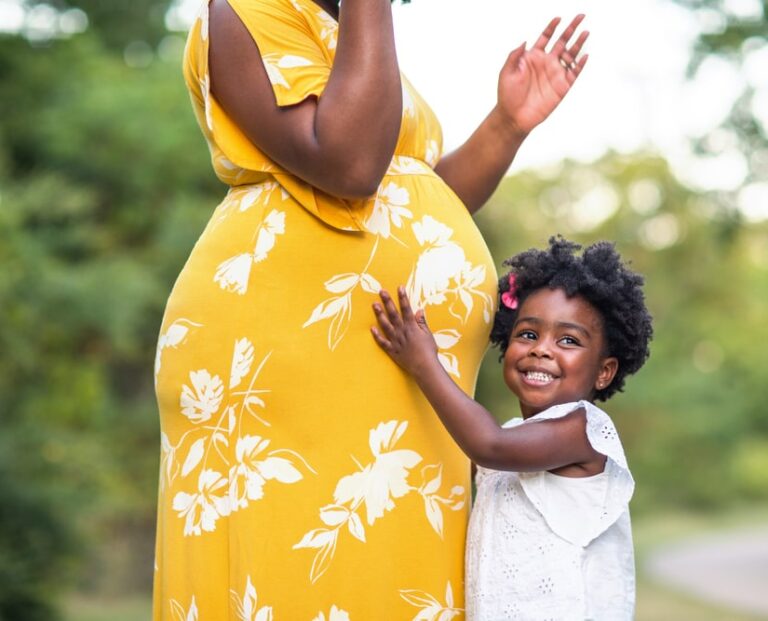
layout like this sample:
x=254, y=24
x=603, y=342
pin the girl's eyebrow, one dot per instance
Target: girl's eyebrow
x=560, y=324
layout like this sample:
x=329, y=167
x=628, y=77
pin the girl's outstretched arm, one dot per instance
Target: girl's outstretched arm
x=531, y=85
x=545, y=445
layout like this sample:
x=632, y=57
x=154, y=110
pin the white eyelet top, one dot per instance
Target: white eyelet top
x=546, y=547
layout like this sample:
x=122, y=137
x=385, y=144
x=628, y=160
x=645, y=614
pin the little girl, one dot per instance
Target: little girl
x=549, y=535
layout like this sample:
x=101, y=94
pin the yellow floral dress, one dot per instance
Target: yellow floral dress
x=303, y=475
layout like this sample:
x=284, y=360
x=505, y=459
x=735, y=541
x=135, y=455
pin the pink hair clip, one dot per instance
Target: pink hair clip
x=509, y=298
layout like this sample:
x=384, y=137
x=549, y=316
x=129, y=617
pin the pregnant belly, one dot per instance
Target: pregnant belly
x=263, y=256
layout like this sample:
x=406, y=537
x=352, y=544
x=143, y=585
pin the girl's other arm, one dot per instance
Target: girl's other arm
x=544, y=445
x=531, y=85
x=341, y=143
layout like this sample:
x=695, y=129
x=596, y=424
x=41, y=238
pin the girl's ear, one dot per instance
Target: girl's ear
x=608, y=369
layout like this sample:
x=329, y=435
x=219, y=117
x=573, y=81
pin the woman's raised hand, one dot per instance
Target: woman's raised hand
x=533, y=82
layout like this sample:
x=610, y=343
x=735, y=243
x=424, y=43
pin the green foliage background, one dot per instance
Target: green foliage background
x=104, y=186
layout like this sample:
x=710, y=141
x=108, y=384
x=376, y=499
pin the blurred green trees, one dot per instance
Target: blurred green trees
x=104, y=186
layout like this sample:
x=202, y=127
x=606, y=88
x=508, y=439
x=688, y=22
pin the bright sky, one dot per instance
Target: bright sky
x=632, y=95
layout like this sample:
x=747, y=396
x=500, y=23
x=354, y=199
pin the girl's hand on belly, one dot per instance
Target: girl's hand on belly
x=403, y=334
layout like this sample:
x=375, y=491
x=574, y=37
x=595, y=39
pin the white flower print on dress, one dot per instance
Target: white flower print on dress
x=273, y=63
x=467, y=285
x=273, y=225
x=432, y=153
x=445, y=339
x=247, y=607
x=179, y=614
x=201, y=401
x=431, y=609
x=376, y=486
x=329, y=33
x=380, y=483
x=205, y=89
x=442, y=270
x=432, y=477
x=440, y=260
x=265, y=189
x=174, y=335
x=389, y=208
x=204, y=508
x=242, y=359
x=232, y=274
x=409, y=108
x=226, y=169
x=244, y=197
x=203, y=17
x=404, y=165
x=248, y=477
x=335, y=614
x=254, y=466
x=339, y=307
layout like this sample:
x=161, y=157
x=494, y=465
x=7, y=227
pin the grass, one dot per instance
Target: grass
x=84, y=608
x=655, y=602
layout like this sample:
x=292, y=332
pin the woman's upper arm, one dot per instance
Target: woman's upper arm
x=240, y=84
x=323, y=150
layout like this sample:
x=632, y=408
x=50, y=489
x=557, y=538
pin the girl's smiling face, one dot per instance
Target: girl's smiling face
x=556, y=352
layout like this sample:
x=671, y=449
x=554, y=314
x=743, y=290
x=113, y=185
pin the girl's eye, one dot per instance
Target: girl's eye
x=526, y=334
x=569, y=340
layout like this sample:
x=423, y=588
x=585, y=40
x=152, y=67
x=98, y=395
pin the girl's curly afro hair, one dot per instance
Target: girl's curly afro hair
x=600, y=277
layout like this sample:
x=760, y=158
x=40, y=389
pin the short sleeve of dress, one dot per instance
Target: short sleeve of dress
x=296, y=40
x=607, y=496
x=296, y=59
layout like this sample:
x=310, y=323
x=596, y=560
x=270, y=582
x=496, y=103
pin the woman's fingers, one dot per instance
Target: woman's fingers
x=562, y=41
x=575, y=49
x=546, y=36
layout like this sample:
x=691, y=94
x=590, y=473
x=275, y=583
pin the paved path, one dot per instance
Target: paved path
x=730, y=569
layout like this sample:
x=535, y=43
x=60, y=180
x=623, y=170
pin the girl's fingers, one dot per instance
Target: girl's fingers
x=546, y=36
x=405, y=305
x=392, y=313
x=379, y=338
x=381, y=317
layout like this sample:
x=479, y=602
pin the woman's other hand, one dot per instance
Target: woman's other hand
x=403, y=334
x=533, y=82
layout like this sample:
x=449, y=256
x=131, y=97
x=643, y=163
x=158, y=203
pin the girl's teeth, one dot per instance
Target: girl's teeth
x=537, y=376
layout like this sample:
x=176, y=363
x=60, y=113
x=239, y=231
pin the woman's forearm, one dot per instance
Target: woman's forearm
x=475, y=169
x=343, y=141
x=361, y=108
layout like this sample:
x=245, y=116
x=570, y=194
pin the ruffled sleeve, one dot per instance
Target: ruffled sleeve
x=576, y=522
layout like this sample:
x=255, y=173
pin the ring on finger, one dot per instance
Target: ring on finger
x=564, y=63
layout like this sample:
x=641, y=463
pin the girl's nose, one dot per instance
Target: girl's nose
x=541, y=349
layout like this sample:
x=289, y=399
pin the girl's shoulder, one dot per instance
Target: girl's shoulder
x=599, y=501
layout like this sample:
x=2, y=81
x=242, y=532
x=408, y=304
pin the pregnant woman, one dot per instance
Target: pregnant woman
x=303, y=476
